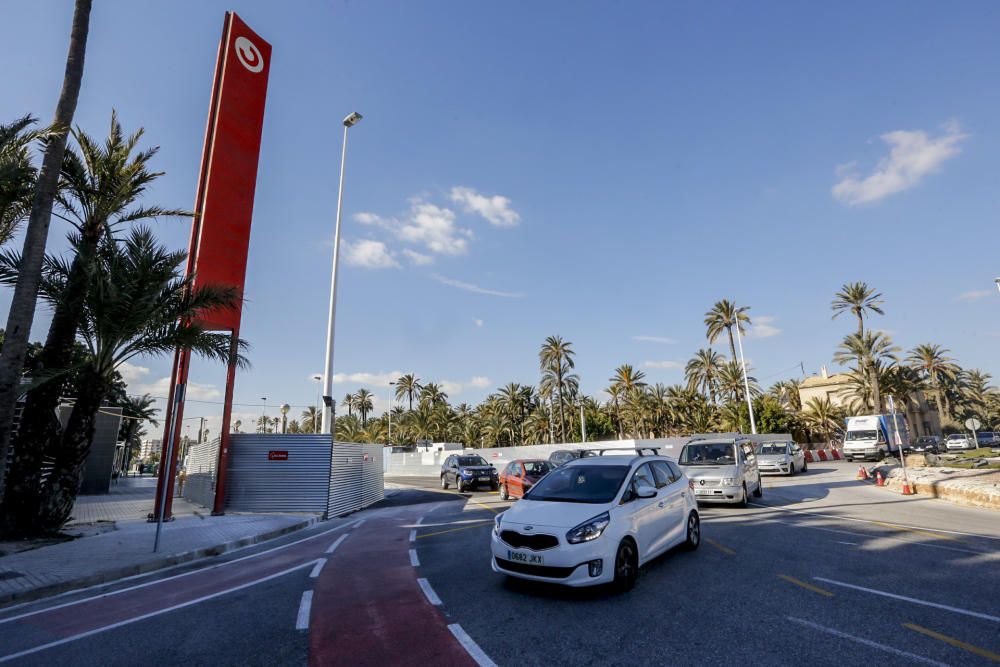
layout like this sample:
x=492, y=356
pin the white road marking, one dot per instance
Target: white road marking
x=419, y=521
x=336, y=543
x=853, y=544
x=877, y=523
x=472, y=647
x=432, y=597
x=302, y=619
x=413, y=535
x=320, y=562
x=894, y=596
x=358, y=524
x=900, y=539
x=866, y=642
x=142, y=617
x=414, y=560
x=157, y=581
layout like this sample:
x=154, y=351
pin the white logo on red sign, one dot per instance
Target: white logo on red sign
x=248, y=54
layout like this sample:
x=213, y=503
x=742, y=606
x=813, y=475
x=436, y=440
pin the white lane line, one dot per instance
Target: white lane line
x=472, y=647
x=991, y=554
x=320, y=562
x=336, y=543
x=853, y=544
x=305, y=605
x=414, y=560
x=158, y=581
x=883, y=524
x=142, y=617
x=358, y=524
x=413, y=535
x=894, y=596
x=866, y=642
x=432, y=597
x=419, y=521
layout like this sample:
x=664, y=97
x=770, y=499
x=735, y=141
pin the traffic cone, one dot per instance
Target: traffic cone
x=907, y=489
x=861, y=473
x=879, y=481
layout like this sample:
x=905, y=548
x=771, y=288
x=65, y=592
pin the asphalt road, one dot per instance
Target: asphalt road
x=822, y=570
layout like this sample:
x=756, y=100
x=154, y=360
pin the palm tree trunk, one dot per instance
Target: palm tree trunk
x=732, y=347
x=22, y=307
x=63, y=484
x=876, y=395
x=562, y=414
x=861, y=323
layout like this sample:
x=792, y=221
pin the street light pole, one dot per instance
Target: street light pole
x=319, y=386
x=328, y=404
x=746, y=382
x=389, y=412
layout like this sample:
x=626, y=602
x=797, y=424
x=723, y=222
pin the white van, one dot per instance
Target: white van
x=873, y=437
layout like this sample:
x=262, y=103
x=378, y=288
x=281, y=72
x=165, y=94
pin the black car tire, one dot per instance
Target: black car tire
x=693, y=532
x=759, y=491
x=503, y=492
x=805, y=466
x=626, y=566
x=791, y=468
x=745, y=501
x=444, y=481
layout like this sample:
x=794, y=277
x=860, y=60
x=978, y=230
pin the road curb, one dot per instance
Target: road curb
x=111, y=575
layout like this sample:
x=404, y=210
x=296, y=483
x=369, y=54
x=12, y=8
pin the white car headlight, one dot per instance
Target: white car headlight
x=589, y=530
x=731, y=481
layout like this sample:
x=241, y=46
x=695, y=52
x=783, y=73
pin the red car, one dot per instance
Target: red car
x=520, y=475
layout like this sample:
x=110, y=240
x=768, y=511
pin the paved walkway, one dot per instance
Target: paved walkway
x=127, y=548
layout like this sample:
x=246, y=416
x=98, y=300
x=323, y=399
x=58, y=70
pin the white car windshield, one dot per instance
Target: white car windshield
x=580, y=484
x=708, y=453
x=471, y=461
x=862, y=435
x=773, y=448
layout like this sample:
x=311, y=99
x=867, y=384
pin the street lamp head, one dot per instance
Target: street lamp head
x=317, y=377
x=285, y=407
x=997, y=281
x=352, y=119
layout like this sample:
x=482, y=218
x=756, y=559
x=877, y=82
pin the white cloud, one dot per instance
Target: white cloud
x=763, y=328
x=480, y=382
x=434, y=227
x=418, y=259
x=469, y=287
x=195, y=391
x=451, y=387
x=366, y=218
x=974, y=295
x=654, y=339
x=663, y=364
x=479, y=322
x=369, y=254
x=132, y=373
x=912, y=155
x=369, y=379
x=495, y=209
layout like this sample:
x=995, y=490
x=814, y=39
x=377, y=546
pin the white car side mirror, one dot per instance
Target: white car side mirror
x=645, y=491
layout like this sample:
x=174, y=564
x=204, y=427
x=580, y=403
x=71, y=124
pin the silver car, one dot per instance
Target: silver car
x=722, y=470
x=784, y=458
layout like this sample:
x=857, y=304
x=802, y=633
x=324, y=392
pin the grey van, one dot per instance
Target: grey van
x=722, y=470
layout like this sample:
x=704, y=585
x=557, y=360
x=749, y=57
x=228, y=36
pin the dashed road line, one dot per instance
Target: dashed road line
x=359, y=523
x=413, y=535
x=305, y=606
x=808, y=587
x=721, y=547
x=865, y=642
x=320, y=562
x=894, y=596
x=853, y=544
x=957, y=643
x=471, y=646
x=336, y=543
x=158, y=612
x=414, y=559
x=432, y=597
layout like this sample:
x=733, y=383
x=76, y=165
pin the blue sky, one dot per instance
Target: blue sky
x=601, y=171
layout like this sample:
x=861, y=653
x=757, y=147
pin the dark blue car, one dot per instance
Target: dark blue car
x=467, y=471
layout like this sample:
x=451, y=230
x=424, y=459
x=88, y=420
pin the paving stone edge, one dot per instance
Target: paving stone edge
x=111, y=575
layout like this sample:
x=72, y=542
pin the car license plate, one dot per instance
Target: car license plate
x=702, y=492
x=521, y=557
x=484, y=479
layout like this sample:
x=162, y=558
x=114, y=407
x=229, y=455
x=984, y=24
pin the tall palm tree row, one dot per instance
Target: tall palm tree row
x=555, y=359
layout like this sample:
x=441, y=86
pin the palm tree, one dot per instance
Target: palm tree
x=432, y=395
x=787, y=392
x=22, y=307
x=723, y=317
x=857, y=298
x=348, y=403
x=101, y=184
x=702, y=371
x=932, y=362
x=556, y=356
x=407, y=385
x=363, y=404
x=874, y=352
x=820, y=414
x=730, y=381
x=630, y=382
x=135, y=411
x=308, y=420
x=140, y=305
x=17, y=174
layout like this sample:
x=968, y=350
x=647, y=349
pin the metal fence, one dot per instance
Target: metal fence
x=288, y=473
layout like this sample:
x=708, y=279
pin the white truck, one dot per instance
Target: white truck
x=875, y=436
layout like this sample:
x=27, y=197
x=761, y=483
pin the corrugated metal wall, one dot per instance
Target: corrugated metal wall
x=278, y=473
x=355, y=477
x=199, y=486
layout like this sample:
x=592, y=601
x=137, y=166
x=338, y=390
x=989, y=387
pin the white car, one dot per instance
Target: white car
x=958, y=441
x=785, y=458
x=597, y=520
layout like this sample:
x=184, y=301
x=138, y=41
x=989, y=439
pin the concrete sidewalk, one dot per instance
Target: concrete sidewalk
x=128, y=550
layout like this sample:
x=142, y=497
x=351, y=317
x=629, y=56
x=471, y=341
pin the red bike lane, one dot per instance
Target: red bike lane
x=369, y=610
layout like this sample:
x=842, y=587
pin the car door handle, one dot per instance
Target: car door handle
x=662, y=503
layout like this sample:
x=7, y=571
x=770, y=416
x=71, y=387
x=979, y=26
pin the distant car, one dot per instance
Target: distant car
x=597, y=520
x=785, y=458
x=561, y=457
x=926, y=443
x=985, y=438
x=466, y=471
x=723, y=470
x=520, y=475
x=958, y=441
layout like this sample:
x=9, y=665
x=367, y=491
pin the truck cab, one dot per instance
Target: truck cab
x=873, y=437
